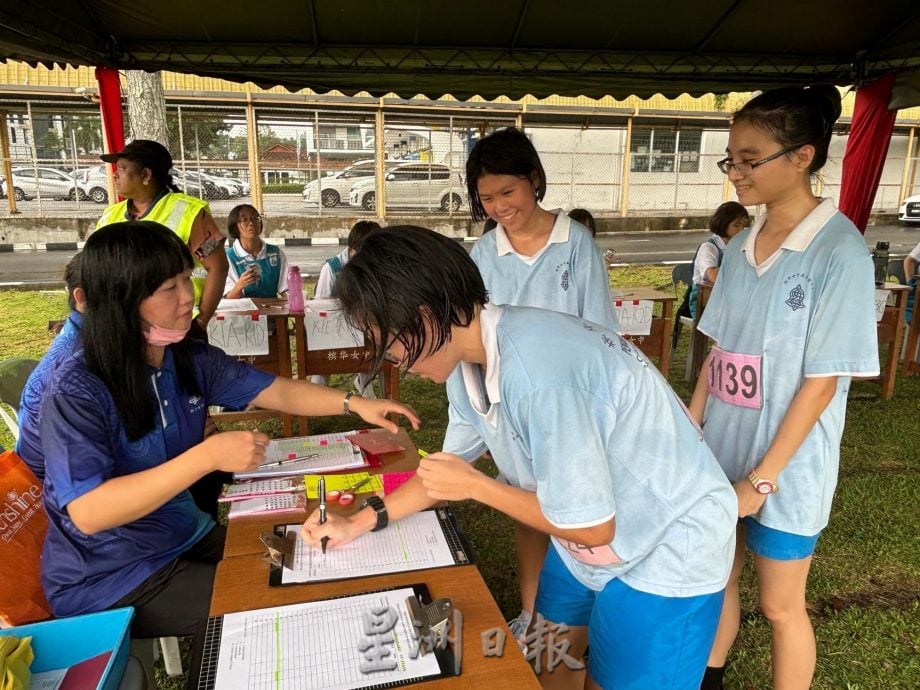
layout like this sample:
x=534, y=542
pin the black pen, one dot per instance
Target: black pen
x=322, y=508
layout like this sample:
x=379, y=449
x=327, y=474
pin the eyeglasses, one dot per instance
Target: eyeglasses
x=745, y=168
x=253, y=221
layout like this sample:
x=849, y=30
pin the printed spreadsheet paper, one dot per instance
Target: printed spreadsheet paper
x=315, y=645
x=307, y=455
x=412, y=543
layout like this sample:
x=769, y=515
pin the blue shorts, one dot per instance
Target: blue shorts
x=638, y=640
x=775, y=544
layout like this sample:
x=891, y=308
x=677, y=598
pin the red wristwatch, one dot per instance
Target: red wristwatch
x=761, y=485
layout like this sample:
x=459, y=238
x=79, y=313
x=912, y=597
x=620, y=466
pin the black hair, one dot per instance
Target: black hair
x=233, y=219
x=505, y=152
x=359, y=231
x=725, y=215
x=122, y=265
x=72, y=279
x=795, y=116
x=583, y=216
x=489, y=225
x=404, y=279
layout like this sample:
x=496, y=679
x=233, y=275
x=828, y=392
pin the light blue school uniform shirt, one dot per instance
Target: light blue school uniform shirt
x=808, y=311
x=567, y=275
x=597, y=434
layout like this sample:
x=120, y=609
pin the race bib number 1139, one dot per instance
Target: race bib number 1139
x=735, y=378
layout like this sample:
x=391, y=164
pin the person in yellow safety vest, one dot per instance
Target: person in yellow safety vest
x=142, y=177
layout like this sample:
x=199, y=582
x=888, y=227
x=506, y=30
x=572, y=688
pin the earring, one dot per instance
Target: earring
x=146, y=182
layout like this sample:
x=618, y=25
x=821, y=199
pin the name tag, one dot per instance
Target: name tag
x=735, y=378
x=590, y=555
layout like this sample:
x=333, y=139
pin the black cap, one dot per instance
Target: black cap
x=144, y=152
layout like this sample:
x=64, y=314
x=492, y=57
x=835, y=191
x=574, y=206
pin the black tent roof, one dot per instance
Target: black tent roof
x=487, y=48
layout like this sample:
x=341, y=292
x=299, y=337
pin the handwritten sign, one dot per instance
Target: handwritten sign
x=635, y=316
x=881, y=299
x=239, y=334
x=326, y=327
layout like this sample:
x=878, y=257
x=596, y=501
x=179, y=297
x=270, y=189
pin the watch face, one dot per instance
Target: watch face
x=764, y=488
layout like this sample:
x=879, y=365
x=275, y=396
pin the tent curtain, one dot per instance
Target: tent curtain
x=113, y=128
x=867, y=147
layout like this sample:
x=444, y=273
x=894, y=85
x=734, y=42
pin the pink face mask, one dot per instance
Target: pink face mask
x=161, y=337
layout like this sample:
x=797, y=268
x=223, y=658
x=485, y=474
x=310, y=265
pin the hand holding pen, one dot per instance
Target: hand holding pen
x=322, y=509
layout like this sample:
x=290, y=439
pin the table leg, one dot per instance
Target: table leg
x=283, y=343
x=664, y=358
x=911, y=363
x=894, y=349
x=300, y=351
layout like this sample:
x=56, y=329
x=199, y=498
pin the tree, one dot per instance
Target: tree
x=146, y=106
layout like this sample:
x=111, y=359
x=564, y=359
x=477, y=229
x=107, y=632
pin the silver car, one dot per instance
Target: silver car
x=50, y=183
x=430, y=186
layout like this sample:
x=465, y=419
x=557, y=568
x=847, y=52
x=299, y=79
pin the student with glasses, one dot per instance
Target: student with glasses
x=792, y=319
x=257, y=269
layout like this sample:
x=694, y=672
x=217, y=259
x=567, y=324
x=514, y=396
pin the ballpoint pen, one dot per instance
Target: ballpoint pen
x=322, y=508
x=286, y=461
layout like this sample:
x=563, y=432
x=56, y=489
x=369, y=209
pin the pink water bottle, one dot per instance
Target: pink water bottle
x=295, y=289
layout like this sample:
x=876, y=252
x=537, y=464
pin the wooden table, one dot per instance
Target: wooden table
x=277, y=361
x=699, y=342
x=911, y=356
x=241, y=584
x=658, y=342
x=243, y=532
x=890, y=331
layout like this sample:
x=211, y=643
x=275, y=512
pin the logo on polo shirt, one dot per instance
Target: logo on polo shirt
x=564, y=267
x=796, y=298
x=195, y=403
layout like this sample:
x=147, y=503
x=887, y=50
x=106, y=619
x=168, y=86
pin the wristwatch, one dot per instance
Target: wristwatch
x=380, y=509
x=761, y=485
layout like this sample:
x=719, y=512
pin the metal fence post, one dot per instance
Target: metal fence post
x=624, y=179
x=379, y=166
x=7, y=163
x=252, y=141
x=908, y=156
x=319, y=168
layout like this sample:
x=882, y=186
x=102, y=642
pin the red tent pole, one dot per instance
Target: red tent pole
x=867, y=148
x=113, y=127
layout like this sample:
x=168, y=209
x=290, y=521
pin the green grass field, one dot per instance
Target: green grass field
x=864, y=591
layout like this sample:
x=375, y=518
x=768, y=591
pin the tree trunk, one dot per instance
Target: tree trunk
x=146, y=106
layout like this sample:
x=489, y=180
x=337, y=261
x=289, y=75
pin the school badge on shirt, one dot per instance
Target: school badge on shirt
x=796, y=298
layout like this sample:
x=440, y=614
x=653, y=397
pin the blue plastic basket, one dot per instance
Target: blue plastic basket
x=63, y=642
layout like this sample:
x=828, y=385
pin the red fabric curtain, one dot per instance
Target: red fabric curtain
x=867, y=147
x=113, y=128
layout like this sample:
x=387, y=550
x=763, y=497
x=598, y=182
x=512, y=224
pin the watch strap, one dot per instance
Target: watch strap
x=383, y=518
x=757, y=482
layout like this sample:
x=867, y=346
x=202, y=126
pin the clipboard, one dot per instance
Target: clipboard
x=281, y=574
x=214, y=631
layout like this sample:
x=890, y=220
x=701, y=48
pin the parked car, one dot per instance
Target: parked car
x=429, y=186
x=333, y=189
x=51, y=183
x=96, y=183
x=910, y=210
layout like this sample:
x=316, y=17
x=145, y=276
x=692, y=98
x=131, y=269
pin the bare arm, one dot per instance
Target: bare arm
x=711, y=274
x=308, y=399
x=910, y=266
x=130, y=497
x=208, y=248
x=701, y=393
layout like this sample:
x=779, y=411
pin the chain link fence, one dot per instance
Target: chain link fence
x=317, y=162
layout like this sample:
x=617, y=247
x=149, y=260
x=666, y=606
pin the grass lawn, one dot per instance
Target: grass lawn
x=864, y=590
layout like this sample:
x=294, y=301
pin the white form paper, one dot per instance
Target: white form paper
x=412, y=543
x=316, y=645
x=285, y=457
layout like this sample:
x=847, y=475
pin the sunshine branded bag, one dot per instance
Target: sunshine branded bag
x=23, y=524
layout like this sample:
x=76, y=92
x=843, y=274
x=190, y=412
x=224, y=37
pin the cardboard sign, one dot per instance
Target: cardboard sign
x=881, y=299
x=326, y=327
x=635, y=316
x=239, y=334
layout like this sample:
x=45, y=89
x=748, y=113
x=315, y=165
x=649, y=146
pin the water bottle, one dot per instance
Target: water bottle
x=880, y=259
x=295, y=289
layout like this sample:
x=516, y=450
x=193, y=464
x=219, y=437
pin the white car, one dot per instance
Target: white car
x=333, y=189
x=429, y=186
x=910, y=210
x=52, y=183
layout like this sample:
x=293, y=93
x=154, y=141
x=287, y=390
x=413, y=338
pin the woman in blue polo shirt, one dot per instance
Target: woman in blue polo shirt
x=257, y=269
x=122, y=435
x=792, y=316
x=594, y=449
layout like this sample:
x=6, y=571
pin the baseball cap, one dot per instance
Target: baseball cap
x=144, y=152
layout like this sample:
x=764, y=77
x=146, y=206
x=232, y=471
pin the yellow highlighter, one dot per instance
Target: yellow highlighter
x=422, y=453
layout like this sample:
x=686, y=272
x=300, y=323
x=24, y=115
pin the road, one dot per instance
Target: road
x=631, y=248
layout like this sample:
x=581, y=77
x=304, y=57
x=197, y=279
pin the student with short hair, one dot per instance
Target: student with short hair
x=593, y=447
x=533, y=258
x=122, y=433
x=727, y=221
x=792, y=316
x=257, y=268
x=335, y=264
x=583, y=216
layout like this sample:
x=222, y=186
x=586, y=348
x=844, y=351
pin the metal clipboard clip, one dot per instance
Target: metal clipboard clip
x=280, y=550
x=430, y=621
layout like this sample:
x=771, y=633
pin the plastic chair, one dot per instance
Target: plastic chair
x=681, y=273
x=13, y=376
x=896, y=270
